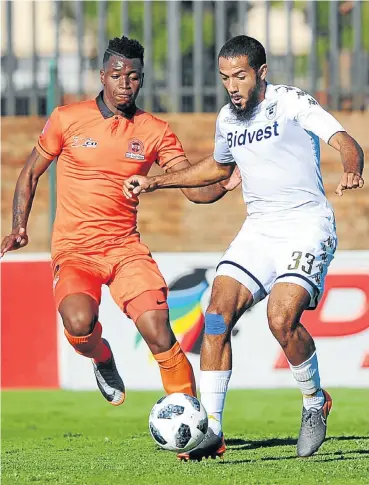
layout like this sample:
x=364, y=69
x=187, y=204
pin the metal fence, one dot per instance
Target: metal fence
x=322, y=47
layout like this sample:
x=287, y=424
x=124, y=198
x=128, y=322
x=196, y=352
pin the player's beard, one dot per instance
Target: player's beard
x=127, y=108
x=247, y=113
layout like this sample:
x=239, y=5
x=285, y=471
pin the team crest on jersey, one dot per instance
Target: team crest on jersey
x=135, y=149
x=83, y=141
x=271, y=111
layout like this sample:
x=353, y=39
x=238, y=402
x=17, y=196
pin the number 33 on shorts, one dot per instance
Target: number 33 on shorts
x=312, y=266
x=296, y=257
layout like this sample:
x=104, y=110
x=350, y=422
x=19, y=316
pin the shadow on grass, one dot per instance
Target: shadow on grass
x=240, y=444
x=347, y=438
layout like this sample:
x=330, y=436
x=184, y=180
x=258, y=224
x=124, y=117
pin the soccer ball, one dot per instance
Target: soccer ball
x=178, y=422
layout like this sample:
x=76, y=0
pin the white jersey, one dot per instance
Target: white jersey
x=278, y=151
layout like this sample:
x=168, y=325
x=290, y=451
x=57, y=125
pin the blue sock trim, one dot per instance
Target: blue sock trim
x=214, y=324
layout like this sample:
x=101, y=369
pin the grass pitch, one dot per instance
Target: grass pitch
x=76, y=438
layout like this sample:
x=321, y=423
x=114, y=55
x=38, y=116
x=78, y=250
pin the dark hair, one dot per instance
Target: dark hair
x=242, y=45
x=125, y=47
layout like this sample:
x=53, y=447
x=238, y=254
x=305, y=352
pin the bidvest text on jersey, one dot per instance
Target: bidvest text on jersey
x=249, y=136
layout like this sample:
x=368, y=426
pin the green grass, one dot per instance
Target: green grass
x=75, y=438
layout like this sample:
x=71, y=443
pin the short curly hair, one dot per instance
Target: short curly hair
x=129, y=48
x=242, y=45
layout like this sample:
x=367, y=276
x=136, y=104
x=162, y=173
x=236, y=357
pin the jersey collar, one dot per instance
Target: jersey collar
x=104, y=110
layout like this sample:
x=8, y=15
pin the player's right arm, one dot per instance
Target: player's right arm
x=24, y=193
x=209, y=171
x=204, y=173
x=48, y=147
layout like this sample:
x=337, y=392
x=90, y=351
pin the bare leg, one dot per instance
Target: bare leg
x=285, y=306
x=83, y=331
x=229, y=299
x=175, y=369
x=79, y=313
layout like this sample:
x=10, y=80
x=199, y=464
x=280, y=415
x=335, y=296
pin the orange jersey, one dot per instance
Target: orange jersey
x=96, y=150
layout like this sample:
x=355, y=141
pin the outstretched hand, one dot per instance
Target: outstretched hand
x=16, y=240
x=136, y=184
x=349, y=180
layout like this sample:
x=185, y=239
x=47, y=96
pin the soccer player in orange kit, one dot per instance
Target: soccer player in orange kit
x=99, y=143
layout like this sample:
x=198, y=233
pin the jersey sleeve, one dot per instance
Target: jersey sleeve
x=50, y=142
x=222, y=153
x=169, y=150
x=312, y=117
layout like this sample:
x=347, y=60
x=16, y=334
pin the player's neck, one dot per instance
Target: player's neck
x=129, y=113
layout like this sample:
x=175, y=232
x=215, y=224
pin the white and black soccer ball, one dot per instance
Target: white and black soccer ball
x=178, y=422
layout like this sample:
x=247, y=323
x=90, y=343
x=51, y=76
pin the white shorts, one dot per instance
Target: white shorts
x=290, y=250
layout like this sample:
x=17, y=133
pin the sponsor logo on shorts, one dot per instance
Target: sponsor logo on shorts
x=56, y=275
x=135, y=149
x=55, y=282
x=83, y=142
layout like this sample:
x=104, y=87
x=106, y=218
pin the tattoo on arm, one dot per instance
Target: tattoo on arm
x=23, y=197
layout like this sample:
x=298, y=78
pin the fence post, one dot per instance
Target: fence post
x=149, y=64
x=198, y=57
x=334, y=56
x=357, y=66
x=33, y=98
x=288, y=7
x=220, y=39
x=50, y=105
x=313, y=64
x=10, y=61
x=174, y=61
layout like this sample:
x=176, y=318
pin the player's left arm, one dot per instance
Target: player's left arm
x=312, y=117
x=352, y=157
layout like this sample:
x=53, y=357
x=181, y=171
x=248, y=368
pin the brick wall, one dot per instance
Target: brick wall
x=167, y=220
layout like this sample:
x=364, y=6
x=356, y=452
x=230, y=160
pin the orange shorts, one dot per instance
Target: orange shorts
x=129, y=271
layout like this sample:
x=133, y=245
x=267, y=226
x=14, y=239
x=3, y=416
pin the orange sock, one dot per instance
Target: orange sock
x=176, y=371
x=90, y=345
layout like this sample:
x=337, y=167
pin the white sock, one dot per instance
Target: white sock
x=213, y=389
x=308, y=380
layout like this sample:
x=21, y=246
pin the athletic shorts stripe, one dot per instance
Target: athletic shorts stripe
x=313, y=285
x=232, y=263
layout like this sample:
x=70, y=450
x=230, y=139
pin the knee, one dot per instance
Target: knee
x=218, y=323
x=281, y=327
x=161, y=342
x=156, y=330
x=79, y=323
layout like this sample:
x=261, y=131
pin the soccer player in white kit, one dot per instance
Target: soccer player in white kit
x=271, y=133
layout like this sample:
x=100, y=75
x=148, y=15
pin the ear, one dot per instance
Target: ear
x=263, y=72
x=102, y=75
x=142, y=80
